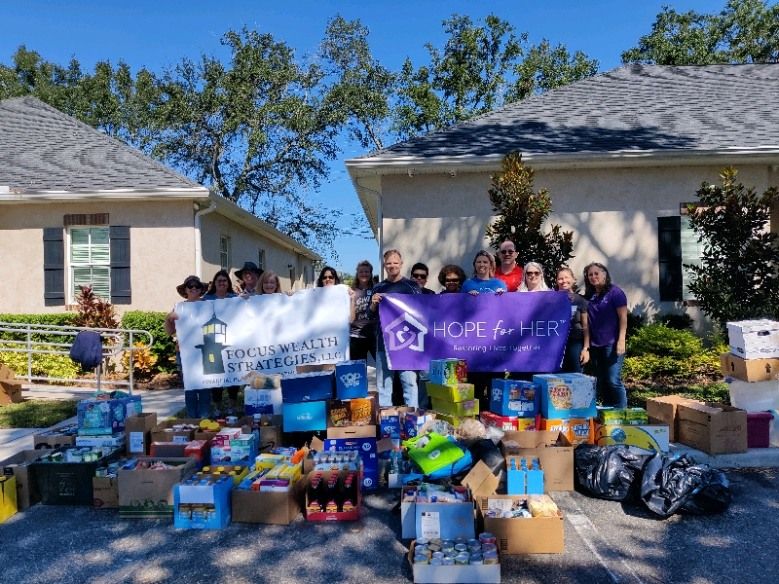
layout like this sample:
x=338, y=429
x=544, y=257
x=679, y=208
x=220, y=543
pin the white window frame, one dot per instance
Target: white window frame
x=692, y=251
x=225, y=252
x=261, y=258
x=103, y=261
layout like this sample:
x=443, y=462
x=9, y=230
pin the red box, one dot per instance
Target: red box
x=758, y=429
x=200, y=450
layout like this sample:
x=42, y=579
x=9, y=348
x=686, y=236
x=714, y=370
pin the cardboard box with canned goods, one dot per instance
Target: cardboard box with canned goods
x=521, y=535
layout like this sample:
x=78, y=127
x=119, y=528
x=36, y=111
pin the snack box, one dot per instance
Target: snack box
x=511, y=397
x=447, y=371
x=566, y=395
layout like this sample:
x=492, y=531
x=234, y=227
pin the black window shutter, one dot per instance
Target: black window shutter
x=670, y=257
x=53, y=267
x=120, y=265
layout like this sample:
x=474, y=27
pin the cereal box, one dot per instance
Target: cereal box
x=566, y=395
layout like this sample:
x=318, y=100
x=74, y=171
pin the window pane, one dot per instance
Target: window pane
x=691, y=254
x=90, y=260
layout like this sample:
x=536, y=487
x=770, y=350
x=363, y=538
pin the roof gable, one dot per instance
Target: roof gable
x=43, y=149
x=631, y=108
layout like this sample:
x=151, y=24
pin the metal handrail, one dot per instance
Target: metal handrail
x=115, y=346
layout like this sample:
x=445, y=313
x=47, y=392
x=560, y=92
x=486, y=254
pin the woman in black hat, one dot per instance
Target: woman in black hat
x=197, y=401
x=248, y=275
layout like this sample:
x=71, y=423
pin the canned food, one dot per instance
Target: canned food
x=462, y=558
x=487, y=537
x=460, y=547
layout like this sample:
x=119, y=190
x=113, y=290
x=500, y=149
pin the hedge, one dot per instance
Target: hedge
x=163, y=347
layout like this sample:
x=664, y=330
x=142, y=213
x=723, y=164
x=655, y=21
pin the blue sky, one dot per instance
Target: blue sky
x=158, y=34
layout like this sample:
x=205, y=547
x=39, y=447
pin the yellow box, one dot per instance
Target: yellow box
x=464, y=408
x=8, y=506
x=649, y=437
x=455, y=392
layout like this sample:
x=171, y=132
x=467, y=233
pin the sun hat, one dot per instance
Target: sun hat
x=248, y=267
x=182, y=288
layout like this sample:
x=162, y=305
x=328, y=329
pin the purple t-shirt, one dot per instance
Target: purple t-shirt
x=602, y=317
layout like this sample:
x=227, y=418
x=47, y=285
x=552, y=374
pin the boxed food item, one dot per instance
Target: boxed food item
x=304, y=416
x=553, y=450
x=646, y=437
x=447, y=371
x=234, y=449
x=8, y=506
x=754, y=339
x=663, y=410
x=106, y=415
x=576, y=430
x=511, y=397
x=523, y=524
x=262, y=401
x=351, y=379
x=19, y=465
x=368, y=450
x=504, y=423
x=749, y=369
x=333, y=495
x=307, y=387
x=460, y=409
x=391, y=421
x=566, y=395
x=352, y=412
x=713, y=428
x=455, y=392
x=202, y=503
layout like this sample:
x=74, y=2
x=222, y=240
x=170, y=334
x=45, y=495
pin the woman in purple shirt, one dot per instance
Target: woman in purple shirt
x=607, y=317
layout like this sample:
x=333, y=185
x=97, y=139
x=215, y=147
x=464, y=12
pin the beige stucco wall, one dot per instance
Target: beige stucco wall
x=613, y=214
x=246, y=244
x=161, y=243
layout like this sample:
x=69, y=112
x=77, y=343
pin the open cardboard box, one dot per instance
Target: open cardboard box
x=277, y=508
x=456, y=574
x=713, y=428
x=523, y=535
x=662, y=410
x=18, y=465
x=553, y=450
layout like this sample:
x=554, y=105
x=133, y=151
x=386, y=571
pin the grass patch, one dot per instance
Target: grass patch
x=36, y=413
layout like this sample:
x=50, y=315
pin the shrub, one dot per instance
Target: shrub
x=93, y=311
x=658, y=339
x=163, y=347
x=43, y=365
x=57, y=319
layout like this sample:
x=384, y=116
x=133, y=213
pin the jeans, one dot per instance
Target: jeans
x=385, y=377
x=198, y=402
x=608, y=371
x=573, y=351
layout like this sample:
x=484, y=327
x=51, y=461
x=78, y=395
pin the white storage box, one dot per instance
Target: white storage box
x=754, y=339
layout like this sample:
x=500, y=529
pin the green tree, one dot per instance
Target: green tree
x=545, y=67
x=738, y=275
x=745, y=31
x=521, y=214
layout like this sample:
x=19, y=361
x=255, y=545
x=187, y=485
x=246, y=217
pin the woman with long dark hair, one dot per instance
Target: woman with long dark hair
x=362, y=332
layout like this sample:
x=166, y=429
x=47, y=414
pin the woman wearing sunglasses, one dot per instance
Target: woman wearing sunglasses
x=451, y=277
x=533, y=278
x=327, y=277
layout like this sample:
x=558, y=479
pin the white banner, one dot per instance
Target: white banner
x=221, y=341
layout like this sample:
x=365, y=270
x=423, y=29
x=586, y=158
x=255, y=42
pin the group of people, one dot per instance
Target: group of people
x=597, y=332
x=598, y=317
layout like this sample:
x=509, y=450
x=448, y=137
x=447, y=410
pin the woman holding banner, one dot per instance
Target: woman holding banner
x=607, y=316
x=451, y=277
x=362, y=330
x=579, y=335
x=483, y=280
x=222, y=288
x=533, y=278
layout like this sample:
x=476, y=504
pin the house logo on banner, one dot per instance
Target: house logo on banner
x=406, y=332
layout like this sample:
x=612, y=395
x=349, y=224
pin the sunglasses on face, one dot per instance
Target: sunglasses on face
x=507, y=251
x=419, y=276
x=193, y=286
x=533, y=273
x=328, y=277
x=448, y=281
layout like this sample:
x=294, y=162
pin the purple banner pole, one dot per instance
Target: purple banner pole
x=519, y=331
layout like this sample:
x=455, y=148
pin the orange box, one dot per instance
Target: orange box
x=576, y=430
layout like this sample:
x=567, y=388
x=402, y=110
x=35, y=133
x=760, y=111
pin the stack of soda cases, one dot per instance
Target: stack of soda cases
x=332, y=493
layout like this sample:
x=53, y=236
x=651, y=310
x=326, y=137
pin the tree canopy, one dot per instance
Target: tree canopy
x=745, y=31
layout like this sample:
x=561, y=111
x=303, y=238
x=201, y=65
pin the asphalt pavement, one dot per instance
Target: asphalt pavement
x=605, y=541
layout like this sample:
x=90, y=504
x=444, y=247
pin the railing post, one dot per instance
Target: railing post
x=29, y=355
x=132, y=361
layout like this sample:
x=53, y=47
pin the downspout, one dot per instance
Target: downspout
x=379, y=223
x=198, y=236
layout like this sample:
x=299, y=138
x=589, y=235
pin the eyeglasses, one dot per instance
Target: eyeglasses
x=533, y=273
x=328, y=277
x=193, y=286
x=507, y=251
x=419, y=276
x=455, y=281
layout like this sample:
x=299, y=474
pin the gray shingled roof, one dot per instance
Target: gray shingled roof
x=634, y=107
x=43, y=149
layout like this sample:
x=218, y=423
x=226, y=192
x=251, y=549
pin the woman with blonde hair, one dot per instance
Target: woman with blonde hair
x=269, y=283
x=579, y=335
x=533, y=278
x=483, y=280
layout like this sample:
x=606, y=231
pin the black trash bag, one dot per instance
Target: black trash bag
x=673, y=484
x=608, y=472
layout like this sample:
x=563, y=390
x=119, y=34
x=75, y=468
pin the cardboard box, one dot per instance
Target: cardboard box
x=553, y=450
x=8, y=505
x=351, y=379
x=510, y=397
x=115, y=441
x=566, y=395
x=749, y=369
x=138, y=430
x=526, y=535
x=307, y=387
x=647, y=437
x=105, y=493
x=475, y=573
x=576, y=430
x=455, y=392
x=276, y=508
x=713, y=428
x=106, y=416
x=168, y=449
x=663, y=410
x=447, y=371
x=353, y=412
x=145, y=492
x=67, y=483
x=504, y=423
x=754, y=339
x=305, y=416
x=391, y=421
x=19, y=466
x=436, y=520
x=10, y=387
x=459, y=409
x=368, y=450
x=197, y=506
x=59, y=438
x=175, y=430
x=238, y=450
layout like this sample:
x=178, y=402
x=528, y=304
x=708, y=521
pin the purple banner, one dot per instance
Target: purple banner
x=519, y=331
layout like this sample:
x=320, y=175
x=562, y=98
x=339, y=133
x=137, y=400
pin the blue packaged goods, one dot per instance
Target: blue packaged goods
x=367, y=449
x=98, y=416
x=351, y=379
x=202, y=503
x=566, y=395
x=447, y=371
x=302, y=417
x=306, y=387
x=511, y=397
